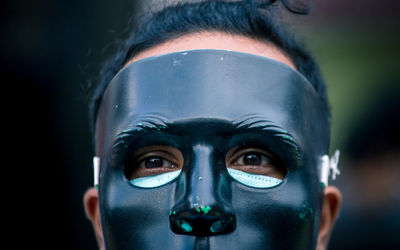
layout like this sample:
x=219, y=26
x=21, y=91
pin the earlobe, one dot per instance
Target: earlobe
x=91, y=203
x=330, y=211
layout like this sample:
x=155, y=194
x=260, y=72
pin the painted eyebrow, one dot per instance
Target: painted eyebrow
x=155, y=123
x=257, y=123
x=151, y=123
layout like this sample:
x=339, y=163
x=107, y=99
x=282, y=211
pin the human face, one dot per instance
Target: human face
x=225, y=144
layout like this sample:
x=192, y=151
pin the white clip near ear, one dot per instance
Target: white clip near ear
x=96, y=170
x=328, y=164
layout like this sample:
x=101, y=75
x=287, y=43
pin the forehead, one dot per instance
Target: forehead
x=219, y=41
x=215, y=85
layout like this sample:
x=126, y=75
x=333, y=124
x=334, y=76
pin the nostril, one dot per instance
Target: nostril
x=186, y=227
x=202, y=221
x=217, y=226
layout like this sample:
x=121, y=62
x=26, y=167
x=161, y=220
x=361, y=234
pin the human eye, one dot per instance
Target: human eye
x=255, y=167
x=156, y=162
x=153, y=166
x=252, y=160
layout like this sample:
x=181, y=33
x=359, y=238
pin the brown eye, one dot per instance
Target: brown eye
x=255, y=161
x=153, y=160
x=252, y=159
x=156, y=162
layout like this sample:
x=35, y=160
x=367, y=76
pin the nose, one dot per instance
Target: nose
x=204, y=209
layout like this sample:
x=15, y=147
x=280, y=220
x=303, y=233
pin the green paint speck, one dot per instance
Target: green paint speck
x=206, y=209
x=305, y=211
x=203, y=209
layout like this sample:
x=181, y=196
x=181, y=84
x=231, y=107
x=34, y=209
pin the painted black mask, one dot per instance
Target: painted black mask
x=210, y=149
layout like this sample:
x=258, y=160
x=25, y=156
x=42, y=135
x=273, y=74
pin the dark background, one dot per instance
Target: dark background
x=50, y=49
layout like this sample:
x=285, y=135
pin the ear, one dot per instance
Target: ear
x=91, y=202
x=330, y=212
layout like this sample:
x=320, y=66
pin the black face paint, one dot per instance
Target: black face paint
x=208, y=105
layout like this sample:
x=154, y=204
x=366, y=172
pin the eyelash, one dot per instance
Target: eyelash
x=262, y=158
x=142, y=163
x=154, y=160
x=237, y=161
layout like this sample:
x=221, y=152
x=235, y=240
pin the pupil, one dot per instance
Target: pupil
x=252, y=159
x=154, y=162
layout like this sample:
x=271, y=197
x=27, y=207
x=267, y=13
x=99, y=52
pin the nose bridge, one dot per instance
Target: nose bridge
x=202, y=211
x=203, y=177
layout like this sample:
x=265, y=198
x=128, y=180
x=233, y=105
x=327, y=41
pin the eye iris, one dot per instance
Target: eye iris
x=252, y=159
x=154, y=162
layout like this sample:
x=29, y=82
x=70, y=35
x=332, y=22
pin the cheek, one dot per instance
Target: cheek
x=131, y=215
x=282, y=217
x=286, y=216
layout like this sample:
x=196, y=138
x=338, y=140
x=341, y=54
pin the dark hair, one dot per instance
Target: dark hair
x=242, y=18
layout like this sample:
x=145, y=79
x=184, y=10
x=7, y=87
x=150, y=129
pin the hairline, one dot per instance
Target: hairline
x=199, y=33
x=267, y=29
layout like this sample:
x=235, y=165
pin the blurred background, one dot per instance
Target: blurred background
x=50, y=49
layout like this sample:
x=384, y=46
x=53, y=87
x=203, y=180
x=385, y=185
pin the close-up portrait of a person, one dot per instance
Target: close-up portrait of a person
x=201, y=124
x=211, y=130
